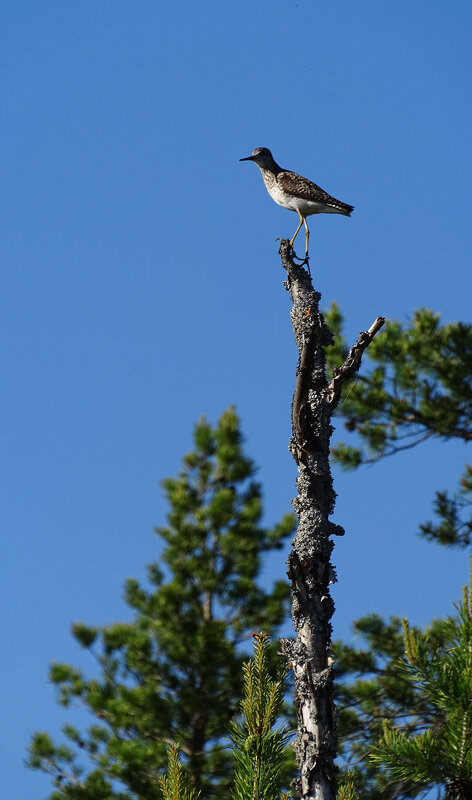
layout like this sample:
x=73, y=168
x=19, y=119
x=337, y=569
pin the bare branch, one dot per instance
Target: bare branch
x=394, y=450
x=353, y=361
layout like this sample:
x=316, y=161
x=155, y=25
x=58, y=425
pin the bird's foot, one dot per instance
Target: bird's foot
x=303, y=262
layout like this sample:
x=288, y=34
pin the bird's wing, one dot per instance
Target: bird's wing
x=298, y=186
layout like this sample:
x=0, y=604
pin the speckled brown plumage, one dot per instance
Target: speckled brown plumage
x=298, y=186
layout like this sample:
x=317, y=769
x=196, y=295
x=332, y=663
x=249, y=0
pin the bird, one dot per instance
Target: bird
x=295, y=192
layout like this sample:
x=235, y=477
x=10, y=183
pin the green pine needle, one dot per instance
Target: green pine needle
x=258, y=744
x=176, y=784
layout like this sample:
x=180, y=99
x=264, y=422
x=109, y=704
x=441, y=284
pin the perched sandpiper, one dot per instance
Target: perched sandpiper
x=295, y=192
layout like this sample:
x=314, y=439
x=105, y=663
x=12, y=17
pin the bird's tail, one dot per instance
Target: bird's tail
x=346, y=209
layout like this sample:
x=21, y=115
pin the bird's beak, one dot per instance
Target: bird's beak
x=248, y=158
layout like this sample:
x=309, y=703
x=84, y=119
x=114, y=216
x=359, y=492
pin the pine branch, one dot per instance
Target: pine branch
x=258, y=745
x=442, y=754
x=348, y=788
x=176, y=784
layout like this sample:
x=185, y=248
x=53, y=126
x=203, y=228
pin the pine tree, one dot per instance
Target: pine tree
x=173, y=674
x=176, y=783
x=418, y=387
x=371, y=687
x=440, y=755
x=258, y=741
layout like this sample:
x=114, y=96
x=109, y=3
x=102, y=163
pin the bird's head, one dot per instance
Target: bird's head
x=262, y=157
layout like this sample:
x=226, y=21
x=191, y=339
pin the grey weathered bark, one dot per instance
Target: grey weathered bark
x=309, y=566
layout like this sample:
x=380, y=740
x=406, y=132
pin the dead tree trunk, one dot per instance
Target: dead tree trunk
x=309, y=567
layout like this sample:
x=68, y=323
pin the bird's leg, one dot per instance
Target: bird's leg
x=295, y=234
x=307, y=236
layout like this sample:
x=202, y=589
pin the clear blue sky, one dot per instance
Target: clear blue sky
x=140, y=278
